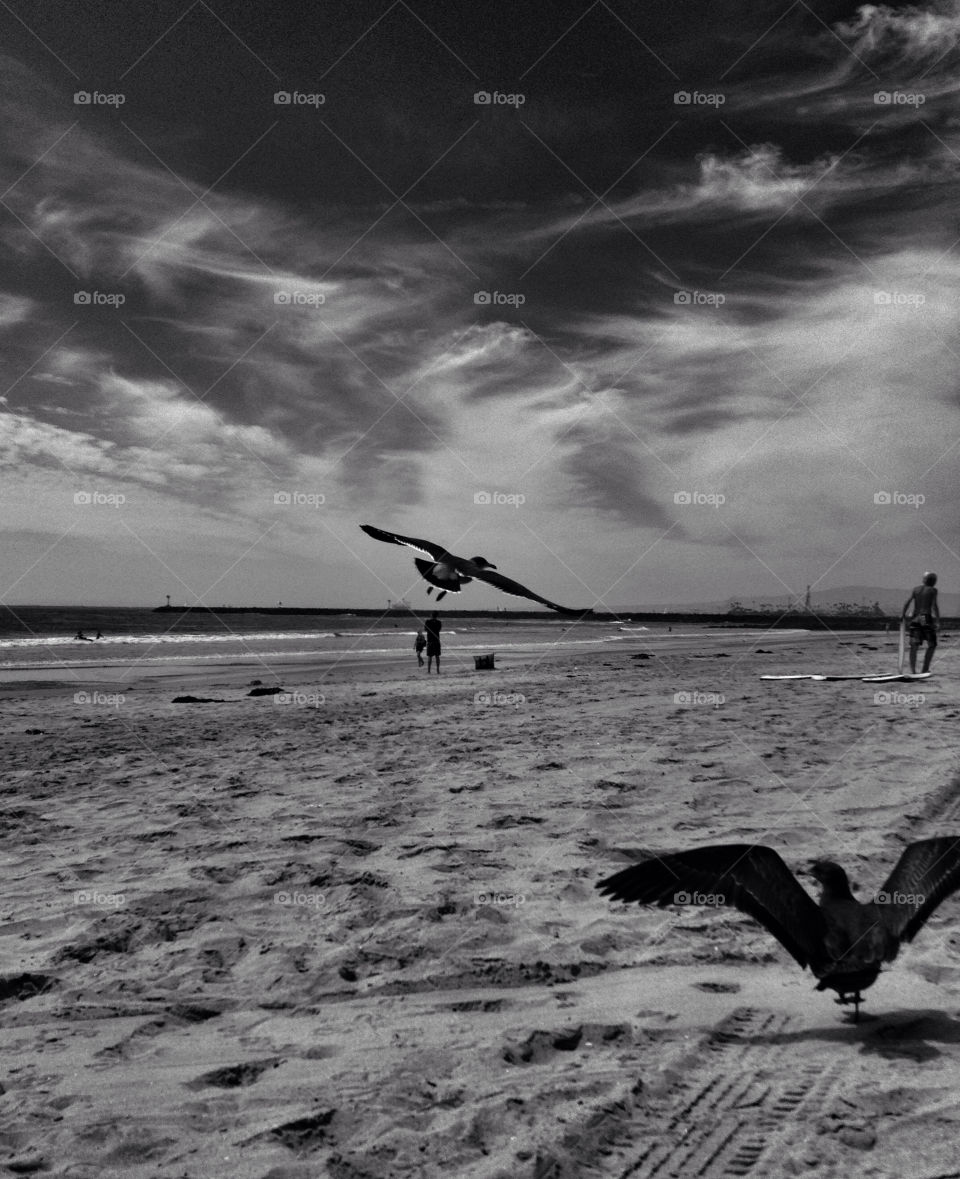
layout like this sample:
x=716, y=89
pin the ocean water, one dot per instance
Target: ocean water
x=45, y=637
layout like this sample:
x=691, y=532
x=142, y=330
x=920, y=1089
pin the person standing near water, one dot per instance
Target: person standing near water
x=418, y=644
x=923, y=622
x=432, y=626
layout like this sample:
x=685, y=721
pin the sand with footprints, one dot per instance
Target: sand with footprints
x=356, y=934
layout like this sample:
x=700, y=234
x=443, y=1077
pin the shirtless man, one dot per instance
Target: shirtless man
x=923, y=622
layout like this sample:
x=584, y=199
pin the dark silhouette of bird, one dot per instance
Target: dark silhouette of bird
x=449, y=573
x=845, y=942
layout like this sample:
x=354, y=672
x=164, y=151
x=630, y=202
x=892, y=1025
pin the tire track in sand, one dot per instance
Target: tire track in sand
x=722, y=1115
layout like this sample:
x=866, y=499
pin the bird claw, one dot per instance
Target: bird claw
x=856, y=999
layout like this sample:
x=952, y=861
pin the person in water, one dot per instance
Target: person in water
x=83, y=638
x=432, y=626
x=922, y=623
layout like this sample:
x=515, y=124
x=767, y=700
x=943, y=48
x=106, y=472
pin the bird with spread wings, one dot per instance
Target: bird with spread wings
x=450, y=573
x=843, y=941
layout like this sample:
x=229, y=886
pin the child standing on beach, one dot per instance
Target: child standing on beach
x=418, y=644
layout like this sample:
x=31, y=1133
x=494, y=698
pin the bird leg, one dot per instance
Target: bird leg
x=856, y=999
x=441, y=594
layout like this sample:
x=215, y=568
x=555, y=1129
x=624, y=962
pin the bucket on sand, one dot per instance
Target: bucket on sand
x=483, y=662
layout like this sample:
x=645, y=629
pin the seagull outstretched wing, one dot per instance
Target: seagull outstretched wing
x=753, y=879
x=509, y=586
x=427, y=547
x=925, y=875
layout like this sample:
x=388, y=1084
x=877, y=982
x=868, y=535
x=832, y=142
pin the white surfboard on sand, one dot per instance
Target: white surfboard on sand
x=904, y=677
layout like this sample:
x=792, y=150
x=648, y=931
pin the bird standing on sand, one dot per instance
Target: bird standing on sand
x=449, y=573
x=843, y=941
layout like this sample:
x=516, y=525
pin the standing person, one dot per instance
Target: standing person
x=418, y=644
x=432, y=626
x=923, y=622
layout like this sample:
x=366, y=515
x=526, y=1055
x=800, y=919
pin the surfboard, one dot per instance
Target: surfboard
x=904, y=677
x=903, y=643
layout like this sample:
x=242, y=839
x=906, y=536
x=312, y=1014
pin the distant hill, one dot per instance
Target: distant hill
x=890, y=600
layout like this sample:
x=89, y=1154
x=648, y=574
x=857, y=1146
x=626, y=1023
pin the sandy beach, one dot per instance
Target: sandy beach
x=354, y=933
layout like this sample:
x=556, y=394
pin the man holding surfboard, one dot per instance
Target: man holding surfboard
x=922, y=623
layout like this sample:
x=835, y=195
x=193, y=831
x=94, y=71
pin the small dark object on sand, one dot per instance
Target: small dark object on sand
x=264, y=691
x=197, y=700
x=843, y=941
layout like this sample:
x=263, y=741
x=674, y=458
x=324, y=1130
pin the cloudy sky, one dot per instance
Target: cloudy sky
x=641, y=302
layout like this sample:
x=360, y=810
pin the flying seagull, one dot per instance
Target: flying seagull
x=449, y=573
x=844, y=941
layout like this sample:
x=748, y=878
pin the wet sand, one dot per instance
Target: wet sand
x=355, y=933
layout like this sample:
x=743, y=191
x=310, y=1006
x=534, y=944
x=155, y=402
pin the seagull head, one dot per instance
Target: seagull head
x=832, y=877
x=482, y=563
